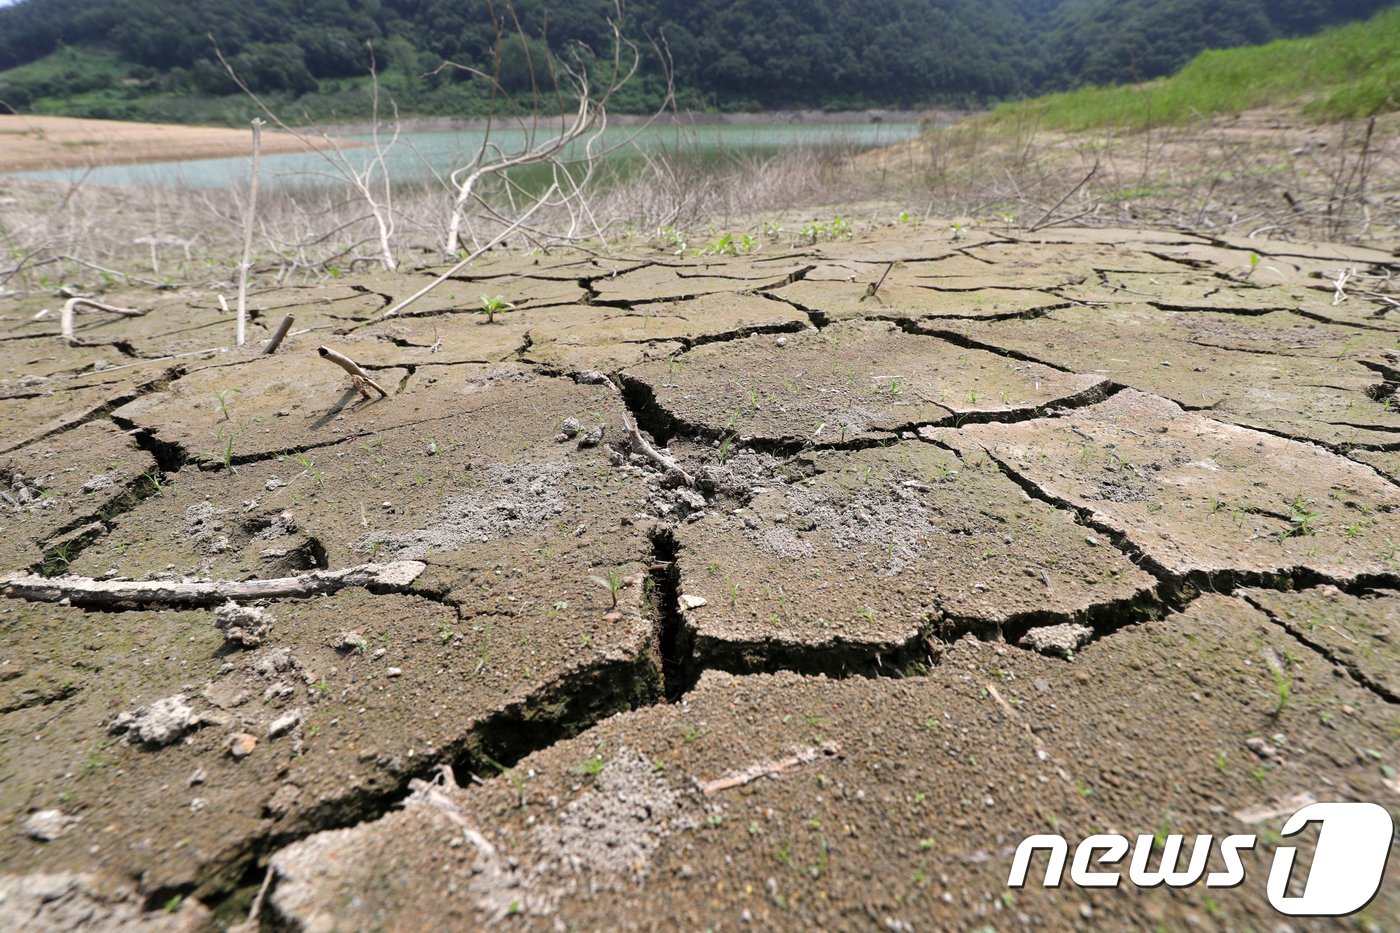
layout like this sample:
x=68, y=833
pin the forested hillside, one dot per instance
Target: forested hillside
x=153, y=59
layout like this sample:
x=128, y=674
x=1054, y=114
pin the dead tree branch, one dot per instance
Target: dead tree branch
x=279, y=335
x=247, y=262
x=72, y=304
x=1050, y=213
x=361, y=378
x=392, y=577
x=638, y=440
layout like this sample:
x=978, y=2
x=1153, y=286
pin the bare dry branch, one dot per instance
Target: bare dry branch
x=392, y=577
x=72, y=304
x=353, y=368
x=249, y=222
x=1069, y=194
x=279, y=335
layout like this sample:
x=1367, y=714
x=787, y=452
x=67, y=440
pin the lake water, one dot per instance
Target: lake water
x=418, y=156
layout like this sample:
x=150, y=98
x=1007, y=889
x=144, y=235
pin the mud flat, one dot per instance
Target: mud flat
x=35, y=142
x=793, y=588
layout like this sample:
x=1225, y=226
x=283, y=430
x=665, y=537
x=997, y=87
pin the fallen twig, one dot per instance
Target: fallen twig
x=870, y=291
x=1048, y=214
x=361, y=378
x=127, y=277
x=252, y=921
x=434, y=794
x=1339, y=294
x=72, y=304
x=642, y=445
x=85, y=591
x=1041, y=753
x=767, y=769
x=464, y=262
x=279, y=334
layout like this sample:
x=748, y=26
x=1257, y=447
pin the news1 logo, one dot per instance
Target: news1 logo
x=1353, y=844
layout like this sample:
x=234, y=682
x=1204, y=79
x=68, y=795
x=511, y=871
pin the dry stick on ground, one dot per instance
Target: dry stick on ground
x=72, y=304
x=638, y=441
x=1041, y=752
x=871, y=291
x=361, y=378
x=501, y=237
x=394, y=577
x=767, y=769
x=1050, y=213
x=279, y=335
x=249, y=221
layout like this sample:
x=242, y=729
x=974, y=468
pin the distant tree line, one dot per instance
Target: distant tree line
x=726, y=54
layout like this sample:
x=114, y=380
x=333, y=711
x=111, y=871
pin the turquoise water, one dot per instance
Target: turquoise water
x=419, y=156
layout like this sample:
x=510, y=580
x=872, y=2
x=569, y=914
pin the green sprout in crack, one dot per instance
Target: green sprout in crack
x=156, y=485
x=592, y=767
x=309, y=466
x=227, y=442
x=511, y=775
x=724, y=447
x=612, y=583
x=493, y=305
x=223, y=397
x=1301, y=518
x=57, y=560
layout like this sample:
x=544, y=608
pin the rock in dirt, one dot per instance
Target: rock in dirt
x=48, y=825
x=284, y=723
x=1060, y=640
x=241, y=746
x=159, y=724
x=245, y=626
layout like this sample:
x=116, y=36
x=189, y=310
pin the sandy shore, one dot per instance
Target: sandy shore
x=33, y=142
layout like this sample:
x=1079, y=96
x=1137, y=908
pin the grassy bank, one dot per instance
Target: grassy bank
x=1349, y=72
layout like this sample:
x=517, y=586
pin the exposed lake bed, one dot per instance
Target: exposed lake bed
x=810, y=672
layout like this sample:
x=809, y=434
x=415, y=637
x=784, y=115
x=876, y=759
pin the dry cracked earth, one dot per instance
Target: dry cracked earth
x=782, y=590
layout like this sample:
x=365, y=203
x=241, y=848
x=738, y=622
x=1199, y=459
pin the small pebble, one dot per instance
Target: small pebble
x=241, y=746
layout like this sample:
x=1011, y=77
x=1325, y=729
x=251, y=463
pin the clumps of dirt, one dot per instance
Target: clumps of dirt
x=244, y=626
x=205, y=529
x=83, y=902
x=25, y=493
x=605, y=838
x=886, y=520
x=745, y=473
x=158, y=724
x=613, y=830
x=252, y=697
x=572, y=429
x=273, y=532
x=738, y=476
x=1123, y=486
x=505, y=499
x=101, y=481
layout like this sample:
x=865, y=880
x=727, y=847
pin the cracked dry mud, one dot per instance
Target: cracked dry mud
x=792, y=679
